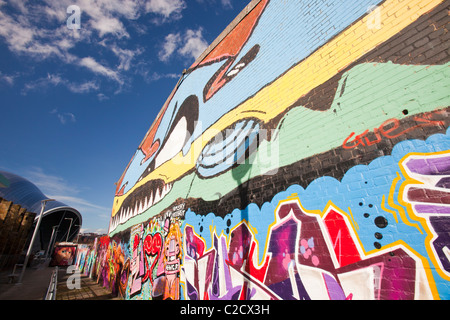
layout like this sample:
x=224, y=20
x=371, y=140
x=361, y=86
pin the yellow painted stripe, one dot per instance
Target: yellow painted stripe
x=349, y=46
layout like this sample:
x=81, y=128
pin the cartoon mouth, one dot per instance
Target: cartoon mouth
x=183, y=123
x=140, y=201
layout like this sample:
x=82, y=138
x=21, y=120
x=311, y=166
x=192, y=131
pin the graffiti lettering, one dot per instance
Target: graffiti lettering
x=389, y=129
x=306, y=259
x=136, y=268
x=427, y=192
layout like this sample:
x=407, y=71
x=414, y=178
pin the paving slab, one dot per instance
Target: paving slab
x=88, y=289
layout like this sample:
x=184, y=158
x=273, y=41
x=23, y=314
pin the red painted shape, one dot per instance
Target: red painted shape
x=152, y=247
x=243, y=294
x=343, y=243
x=251, y=269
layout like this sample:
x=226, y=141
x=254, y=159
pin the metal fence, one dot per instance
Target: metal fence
x=51, y=291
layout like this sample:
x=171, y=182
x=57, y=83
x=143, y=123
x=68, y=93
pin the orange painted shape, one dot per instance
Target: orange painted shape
x=232, y=44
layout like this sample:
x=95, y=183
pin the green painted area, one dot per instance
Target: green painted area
x=367, y=95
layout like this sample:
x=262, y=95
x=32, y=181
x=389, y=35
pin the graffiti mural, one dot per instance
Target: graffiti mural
x=295, y=160
x=63, y=255
x=182, y=145
x=426, y=194
x=86, y=256
x=111, y=256
x=155, y=260
x=303, y=262
x=369, y=236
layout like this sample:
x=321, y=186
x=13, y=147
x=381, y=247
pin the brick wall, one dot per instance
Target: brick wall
x=304, y=155
x=15, y=227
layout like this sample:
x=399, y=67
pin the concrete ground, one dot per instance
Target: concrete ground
x=88, y=289
x=34, y=284
x=36, y=281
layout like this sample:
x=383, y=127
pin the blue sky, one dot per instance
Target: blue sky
x=76, y=103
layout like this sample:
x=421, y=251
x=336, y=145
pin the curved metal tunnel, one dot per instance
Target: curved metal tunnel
x=60, y=222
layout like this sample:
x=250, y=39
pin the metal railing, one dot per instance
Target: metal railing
x=51, y=291
x=12, y=277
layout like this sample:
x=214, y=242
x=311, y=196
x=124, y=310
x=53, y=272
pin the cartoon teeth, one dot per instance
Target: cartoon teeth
x=140, y=206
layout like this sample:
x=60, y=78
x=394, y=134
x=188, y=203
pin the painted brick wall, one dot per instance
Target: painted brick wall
x=304, y=155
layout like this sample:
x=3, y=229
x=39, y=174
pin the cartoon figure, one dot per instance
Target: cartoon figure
x=172, y=258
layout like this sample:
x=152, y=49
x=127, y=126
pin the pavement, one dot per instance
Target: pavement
x=34, y=284
x=37, y=279
x=86, y=289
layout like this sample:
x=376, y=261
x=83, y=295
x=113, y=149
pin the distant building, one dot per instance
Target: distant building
x=87, y=238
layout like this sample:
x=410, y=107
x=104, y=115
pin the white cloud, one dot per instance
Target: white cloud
x=98, y=68
x=58, y=188
x=64, y=117
x=102, y=96
x=56, y=80
x=226, y=3
x=105, y=25
x=38, y=30
x=191, y=44
x=77, y=203
x=104, y=16
x=165, y=8
x=83, y=87
x=18, y=36
x=42, y=83
x=155, y=76
x=49, y=184
x=170, y=45
x=125, y=56
x=33, y=31
x=194, y=44
x=9, y=79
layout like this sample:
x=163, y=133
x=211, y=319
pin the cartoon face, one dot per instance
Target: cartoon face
x=172, y=250
x=225, y=91
x=65, y=254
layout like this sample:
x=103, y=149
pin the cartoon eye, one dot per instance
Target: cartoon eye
x=228, y=148
x=179, y=133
